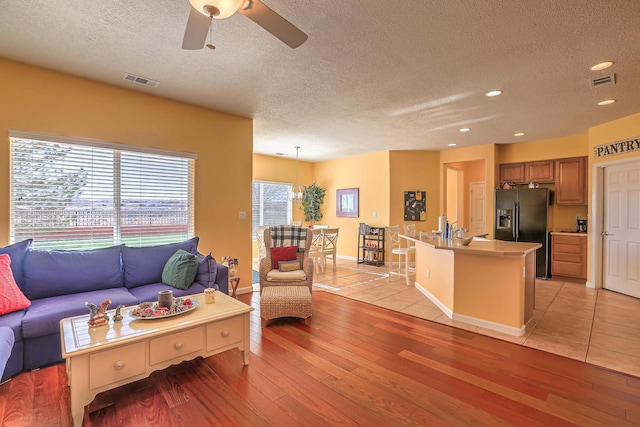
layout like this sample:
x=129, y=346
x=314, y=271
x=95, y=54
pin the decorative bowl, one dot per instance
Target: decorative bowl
x=464, y=241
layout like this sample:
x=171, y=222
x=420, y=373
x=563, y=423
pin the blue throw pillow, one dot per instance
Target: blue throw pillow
x=143, y=266
x=180, y=270
x=17, y=252
x=207, y=271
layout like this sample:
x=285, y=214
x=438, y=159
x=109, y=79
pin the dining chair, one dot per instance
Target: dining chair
x=317, y=245
x=330, y=246
x=262, y=249
x=394, y=242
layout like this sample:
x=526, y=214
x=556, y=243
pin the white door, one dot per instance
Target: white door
x=477, y=193
x=621, y=229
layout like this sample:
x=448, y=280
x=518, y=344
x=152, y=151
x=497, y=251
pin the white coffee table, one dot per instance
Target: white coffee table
x=107, y=357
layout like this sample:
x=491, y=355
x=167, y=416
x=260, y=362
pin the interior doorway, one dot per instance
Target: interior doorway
x=455, y=200
x=461, y=202
x=477, y=208
x=616, y=215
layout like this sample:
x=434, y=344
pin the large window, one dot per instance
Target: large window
x=73, y=194
x=271, y=204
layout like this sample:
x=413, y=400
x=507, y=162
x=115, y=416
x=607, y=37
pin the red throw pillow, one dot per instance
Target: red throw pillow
x=11, y=298
x=283, y=253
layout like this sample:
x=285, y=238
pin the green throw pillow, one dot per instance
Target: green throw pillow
x=180, y=270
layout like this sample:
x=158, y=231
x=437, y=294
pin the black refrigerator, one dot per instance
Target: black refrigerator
x=521, y=216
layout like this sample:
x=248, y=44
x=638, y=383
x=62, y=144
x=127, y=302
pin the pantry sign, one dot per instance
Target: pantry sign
x=618, y=147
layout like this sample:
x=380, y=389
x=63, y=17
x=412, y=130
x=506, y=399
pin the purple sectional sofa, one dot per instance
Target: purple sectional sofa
x=58, y=283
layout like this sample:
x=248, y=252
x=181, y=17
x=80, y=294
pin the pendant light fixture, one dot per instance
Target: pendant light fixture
x=297, y=191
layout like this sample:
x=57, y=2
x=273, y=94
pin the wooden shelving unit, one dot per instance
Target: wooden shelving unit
x=370, y=245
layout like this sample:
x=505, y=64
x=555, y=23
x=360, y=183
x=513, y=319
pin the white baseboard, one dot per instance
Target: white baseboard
x=509, y=330
x=434, y=300
x=244, y=290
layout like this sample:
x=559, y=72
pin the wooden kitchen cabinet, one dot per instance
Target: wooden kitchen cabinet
x=512, y=172
x=569, y=255
x=542, y=171
x=571, y=181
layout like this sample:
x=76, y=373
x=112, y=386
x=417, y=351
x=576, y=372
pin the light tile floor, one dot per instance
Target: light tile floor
x=597, y=326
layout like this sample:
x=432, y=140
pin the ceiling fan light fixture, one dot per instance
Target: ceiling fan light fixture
x=224, y=8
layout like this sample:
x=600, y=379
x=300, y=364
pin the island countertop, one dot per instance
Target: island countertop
x=489, y=283
x=480, y=246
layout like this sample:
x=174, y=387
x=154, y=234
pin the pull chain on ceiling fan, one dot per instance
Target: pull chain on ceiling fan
x=204, y=11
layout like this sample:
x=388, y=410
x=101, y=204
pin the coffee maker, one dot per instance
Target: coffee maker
x=582, y=226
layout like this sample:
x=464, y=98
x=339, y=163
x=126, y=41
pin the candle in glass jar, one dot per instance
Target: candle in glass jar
x=209, y=295
x=165, y=299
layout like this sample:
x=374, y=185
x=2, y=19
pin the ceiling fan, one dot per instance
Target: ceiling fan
x=204, y=11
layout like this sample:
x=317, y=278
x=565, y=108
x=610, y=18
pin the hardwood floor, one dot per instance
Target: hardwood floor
x=356, y=364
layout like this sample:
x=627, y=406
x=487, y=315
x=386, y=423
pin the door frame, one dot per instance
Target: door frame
x=597, y=218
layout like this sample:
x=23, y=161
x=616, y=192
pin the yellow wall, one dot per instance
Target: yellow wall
x=414, y=170
x=370, y=174
x=544, y=149
x=38, y=100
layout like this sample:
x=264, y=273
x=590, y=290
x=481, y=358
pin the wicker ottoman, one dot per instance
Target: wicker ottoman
x=285, y=301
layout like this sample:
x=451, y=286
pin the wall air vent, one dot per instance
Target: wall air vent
x=140, y=80
x=605, y=80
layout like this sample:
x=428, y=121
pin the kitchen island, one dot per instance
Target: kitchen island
x=489, y=283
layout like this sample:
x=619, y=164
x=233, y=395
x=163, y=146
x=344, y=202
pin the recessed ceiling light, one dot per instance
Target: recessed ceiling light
x=494, y=93
x=607, y=102
x=519, y=134
x=452, y=144
x=465, y=129
x=601, y=66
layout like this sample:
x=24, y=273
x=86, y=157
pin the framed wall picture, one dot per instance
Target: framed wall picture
x=347, y=203
x=415, y=205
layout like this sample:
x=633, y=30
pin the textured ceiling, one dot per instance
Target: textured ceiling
x=374, y=75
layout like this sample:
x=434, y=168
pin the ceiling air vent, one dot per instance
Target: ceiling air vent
x=140, y=80
x=605, y=80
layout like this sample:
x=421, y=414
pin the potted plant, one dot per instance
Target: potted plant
x=311, y=201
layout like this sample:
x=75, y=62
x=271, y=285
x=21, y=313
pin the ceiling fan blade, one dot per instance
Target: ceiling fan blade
x=262, y=15
x=197, y=29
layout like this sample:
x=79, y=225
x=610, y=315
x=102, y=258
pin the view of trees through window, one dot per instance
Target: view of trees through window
x=73, y=196
x=271, y=204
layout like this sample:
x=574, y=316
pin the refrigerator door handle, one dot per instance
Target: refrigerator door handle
x=514, y=220
x=516, y=216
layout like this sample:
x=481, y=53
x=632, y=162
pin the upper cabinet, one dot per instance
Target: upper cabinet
x=512, y=172
x=569, y=176
x=542, y=171
x=521, y=173
x=571, y=181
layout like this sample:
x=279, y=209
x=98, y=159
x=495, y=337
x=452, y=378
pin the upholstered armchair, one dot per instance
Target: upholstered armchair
x=291, y=273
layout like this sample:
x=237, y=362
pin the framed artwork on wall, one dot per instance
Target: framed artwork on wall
x=347, y=203
x=415, y=205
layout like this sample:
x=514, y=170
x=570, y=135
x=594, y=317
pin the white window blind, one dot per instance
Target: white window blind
x=271, y=204
x=70, y=195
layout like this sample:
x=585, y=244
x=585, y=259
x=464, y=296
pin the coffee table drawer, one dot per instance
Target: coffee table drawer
x=174, y=345
x=115, y=365
x=224, y=333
